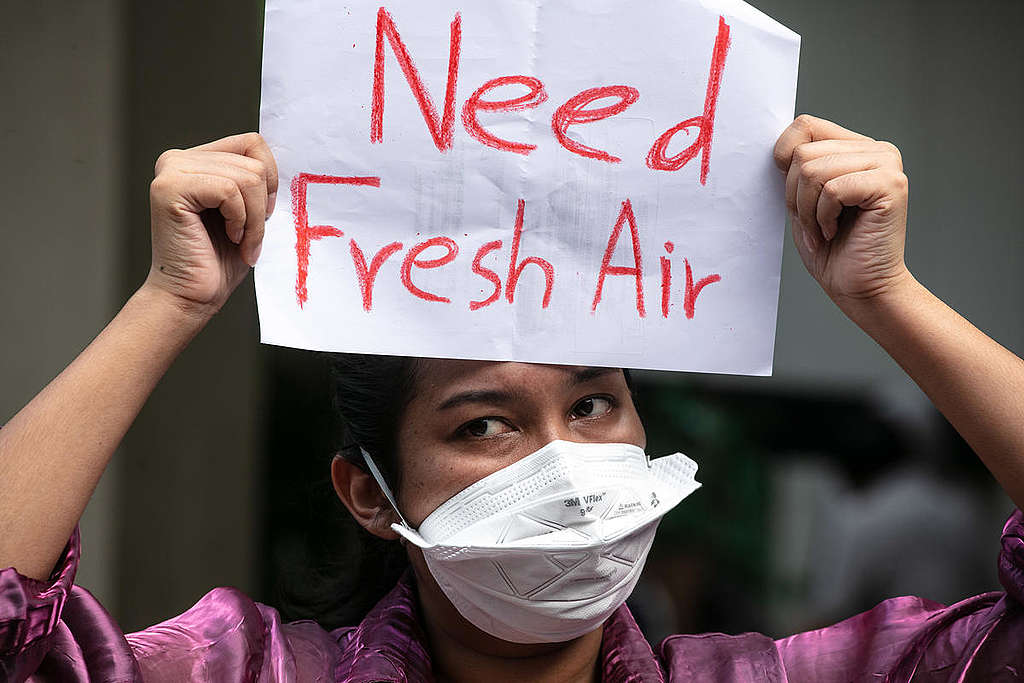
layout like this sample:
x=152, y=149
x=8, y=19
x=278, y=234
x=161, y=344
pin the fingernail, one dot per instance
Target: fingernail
x=809, y=241
x=256, y=254
x=271, y=203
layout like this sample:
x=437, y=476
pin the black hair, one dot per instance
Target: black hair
x=370, y=395
x=352, y=569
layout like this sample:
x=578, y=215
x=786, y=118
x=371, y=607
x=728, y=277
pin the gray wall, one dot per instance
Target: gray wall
x=944, y=80
x=60, y=186
x=97, y=90
x=194, y=466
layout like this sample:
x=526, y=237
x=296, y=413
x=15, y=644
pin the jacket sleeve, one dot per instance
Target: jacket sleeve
x=909, y=638
x=227, y=637
x=1011, y=558
x=30, y=613
x=55, y=631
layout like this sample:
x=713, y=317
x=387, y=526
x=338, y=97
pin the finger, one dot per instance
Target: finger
x=254, y=195
x=809, y=179
x=202, y=192
x=806, y=129
x=228, y=160
x=252, y=241
x=229, y=164
x=250, y=145
x=183, y=159
x=248, y=176
x=867, y=190
x=807, y=243
x=810, y=151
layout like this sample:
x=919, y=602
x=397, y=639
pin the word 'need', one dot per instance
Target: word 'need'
x=578, y=110
x=367, y=269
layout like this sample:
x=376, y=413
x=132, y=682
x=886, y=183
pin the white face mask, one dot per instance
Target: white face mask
x=544, y=550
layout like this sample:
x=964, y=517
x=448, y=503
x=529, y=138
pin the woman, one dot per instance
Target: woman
x=454, y=426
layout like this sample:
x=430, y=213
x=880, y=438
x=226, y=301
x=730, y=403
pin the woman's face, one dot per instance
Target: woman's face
x=469, y=419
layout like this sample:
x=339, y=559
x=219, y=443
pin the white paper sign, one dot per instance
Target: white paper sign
x=561, y=181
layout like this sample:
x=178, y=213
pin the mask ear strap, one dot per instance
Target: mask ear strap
x=375, y=471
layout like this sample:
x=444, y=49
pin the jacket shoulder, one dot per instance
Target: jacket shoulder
x=713, y=657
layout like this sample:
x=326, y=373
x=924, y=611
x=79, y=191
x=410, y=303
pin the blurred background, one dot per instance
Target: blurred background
x=828, y=487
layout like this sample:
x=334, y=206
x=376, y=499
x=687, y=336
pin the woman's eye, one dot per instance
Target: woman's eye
x=486, y=426
x=592, y=406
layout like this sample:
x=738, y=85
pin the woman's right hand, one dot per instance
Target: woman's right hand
x=208, y=205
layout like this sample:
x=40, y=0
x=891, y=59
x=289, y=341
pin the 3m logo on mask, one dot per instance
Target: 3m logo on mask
x=586, y=519
x=585, y=504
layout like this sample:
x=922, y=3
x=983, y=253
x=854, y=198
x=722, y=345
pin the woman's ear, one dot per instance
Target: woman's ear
x=363, y=498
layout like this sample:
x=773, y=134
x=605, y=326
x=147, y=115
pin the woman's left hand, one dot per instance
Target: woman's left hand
x=847, y=194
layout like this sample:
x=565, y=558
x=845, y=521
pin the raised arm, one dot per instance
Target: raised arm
x=848, y=197
x=208, y=207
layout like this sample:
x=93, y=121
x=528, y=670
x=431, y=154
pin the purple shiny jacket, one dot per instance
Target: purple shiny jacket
x=56, y=631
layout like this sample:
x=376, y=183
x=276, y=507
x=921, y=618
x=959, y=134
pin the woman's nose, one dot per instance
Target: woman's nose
x=555, y=429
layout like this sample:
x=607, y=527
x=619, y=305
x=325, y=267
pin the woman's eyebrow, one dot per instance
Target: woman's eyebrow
x=587, y=374
x=489, y=396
